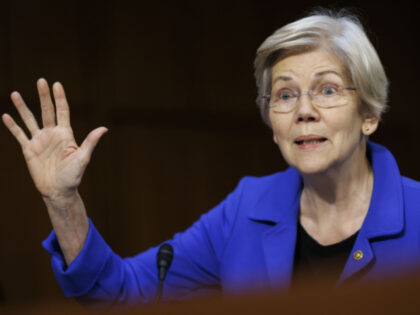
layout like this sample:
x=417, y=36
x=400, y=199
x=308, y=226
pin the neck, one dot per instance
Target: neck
x=340, y=195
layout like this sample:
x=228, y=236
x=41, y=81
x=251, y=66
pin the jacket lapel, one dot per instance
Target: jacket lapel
x=278, y=208
x=360, y=257
x=385, y=216
x=279, y=247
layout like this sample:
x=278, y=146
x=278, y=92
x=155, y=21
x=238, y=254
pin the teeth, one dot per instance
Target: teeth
x=310, y=141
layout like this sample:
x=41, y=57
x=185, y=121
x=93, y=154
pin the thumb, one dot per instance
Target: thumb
x=91, y=141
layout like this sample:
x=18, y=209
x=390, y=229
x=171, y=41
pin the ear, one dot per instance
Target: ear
x=369, y=125
x=275, y=139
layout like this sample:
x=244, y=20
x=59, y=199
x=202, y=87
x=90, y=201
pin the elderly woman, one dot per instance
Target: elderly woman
x=322, y=90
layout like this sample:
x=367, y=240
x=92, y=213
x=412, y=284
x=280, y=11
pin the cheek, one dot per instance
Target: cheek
x=280, y=135
x=281, y=138
x=348, y=130
x=280, y=126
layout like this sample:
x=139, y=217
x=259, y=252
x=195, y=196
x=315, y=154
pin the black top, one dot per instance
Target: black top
x=315, y=262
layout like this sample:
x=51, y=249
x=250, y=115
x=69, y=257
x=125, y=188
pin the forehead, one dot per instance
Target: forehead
x=308, y=65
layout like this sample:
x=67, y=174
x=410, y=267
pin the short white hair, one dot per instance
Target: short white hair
x=340, y=33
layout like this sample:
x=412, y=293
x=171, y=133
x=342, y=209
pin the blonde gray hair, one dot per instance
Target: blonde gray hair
x=340, y=33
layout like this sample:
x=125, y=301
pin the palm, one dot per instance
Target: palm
x=55, y=162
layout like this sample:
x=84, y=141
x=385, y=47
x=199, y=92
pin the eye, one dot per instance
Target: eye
x=285, y=95
x=328, y=90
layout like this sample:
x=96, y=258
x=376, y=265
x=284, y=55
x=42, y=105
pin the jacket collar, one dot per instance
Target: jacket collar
x=279, y=203
x=386, y=211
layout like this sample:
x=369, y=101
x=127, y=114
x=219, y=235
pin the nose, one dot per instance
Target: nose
x=305, y=110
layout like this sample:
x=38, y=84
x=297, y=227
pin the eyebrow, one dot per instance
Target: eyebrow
x=283, y=78
x=318, y=74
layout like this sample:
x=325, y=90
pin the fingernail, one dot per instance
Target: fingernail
x=56, y=85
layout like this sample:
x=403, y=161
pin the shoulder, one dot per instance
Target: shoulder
x=411, y=190
x=250, y=187
x=410, y=183
x=261, y=183
x=267, y=197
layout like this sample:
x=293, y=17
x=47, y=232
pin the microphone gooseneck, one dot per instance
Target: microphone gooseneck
x=164, y=260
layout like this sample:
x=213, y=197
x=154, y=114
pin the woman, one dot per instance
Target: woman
x=322, y=90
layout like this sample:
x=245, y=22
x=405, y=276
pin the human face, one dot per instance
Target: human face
x=314, y=139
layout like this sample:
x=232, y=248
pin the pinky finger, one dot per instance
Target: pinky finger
x=14, y=128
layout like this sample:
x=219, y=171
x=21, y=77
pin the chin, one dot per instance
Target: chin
x=311, y=170
x=310, y=167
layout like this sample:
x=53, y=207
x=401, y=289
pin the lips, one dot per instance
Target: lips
x=310, y=139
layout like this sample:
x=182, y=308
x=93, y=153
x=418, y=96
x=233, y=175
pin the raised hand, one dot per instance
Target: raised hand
x=55, y=162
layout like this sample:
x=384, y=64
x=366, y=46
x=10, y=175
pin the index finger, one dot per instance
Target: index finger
x=24, y=112
x=16, y=131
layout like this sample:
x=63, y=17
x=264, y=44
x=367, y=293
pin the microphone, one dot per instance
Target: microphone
x=164, y=260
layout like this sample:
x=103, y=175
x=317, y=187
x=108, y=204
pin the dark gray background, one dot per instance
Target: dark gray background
x=173, y=82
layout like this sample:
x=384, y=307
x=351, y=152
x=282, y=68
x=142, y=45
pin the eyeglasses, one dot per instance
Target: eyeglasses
x=324, y=96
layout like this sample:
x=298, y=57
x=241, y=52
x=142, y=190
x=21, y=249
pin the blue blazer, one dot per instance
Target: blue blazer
x=247, y=242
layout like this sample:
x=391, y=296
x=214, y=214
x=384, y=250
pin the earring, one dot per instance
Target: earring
x=367, y=128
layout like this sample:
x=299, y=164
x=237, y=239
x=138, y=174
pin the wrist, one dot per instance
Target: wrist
x=62, y=200
x=68, y=209
x=70, y=223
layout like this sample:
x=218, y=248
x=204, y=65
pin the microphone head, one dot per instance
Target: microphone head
x=164, y=256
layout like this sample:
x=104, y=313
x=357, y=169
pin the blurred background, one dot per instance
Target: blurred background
x=173, y=82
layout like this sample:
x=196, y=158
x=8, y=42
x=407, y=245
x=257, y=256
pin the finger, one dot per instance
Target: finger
x=16, y=131
x=91, y=141
x=24, y=112
x=63, y=110
x=47, y=106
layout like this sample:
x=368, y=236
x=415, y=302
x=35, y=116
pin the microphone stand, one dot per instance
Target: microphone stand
x=159, y=292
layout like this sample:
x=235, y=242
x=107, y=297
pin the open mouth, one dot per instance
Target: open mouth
x=300, y=141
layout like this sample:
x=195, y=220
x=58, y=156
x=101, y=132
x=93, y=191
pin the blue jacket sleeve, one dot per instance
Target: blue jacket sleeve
x=98, y=274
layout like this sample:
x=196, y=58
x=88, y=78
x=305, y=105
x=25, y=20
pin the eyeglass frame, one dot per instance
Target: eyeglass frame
x=300, y=93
